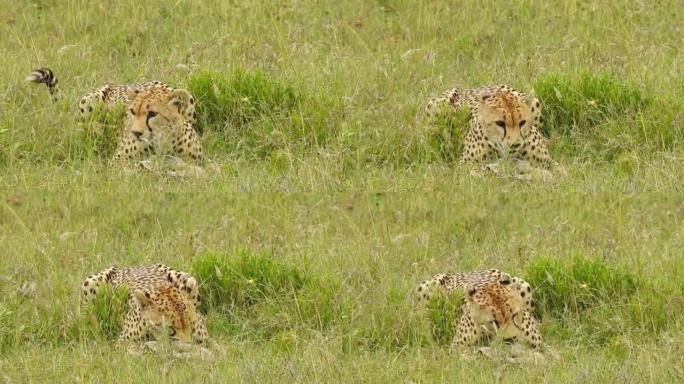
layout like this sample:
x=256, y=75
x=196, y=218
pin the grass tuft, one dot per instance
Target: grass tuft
x=587, y=299
x=447, y=131
x=99, y=136
x=250, y=112
x=104, y=316
x=444, y=312
x=240, y=98
x=272, y=298
x=578, y=284
x=244, y=279
x=581, y=103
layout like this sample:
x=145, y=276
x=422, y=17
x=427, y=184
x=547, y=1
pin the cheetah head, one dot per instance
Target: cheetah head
x=153, y=113
x=167, y=308
x=506, y=118
x=495, y=306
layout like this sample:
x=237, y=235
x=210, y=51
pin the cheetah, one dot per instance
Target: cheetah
x=494, y=301
x=159, y=118
x=159, y=297
x=501, y=120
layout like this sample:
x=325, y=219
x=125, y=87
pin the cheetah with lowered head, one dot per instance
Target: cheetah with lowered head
x=493, y=302
x=501, y=120
x=159, y=297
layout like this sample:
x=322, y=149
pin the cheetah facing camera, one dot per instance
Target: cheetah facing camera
x=159, y=298
x=494, y=302
x=159, y=118
x=157, y=123
x=501, y=120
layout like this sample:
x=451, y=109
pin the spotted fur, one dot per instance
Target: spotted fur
x=159, y=297
x=501, y=120
x=110, y=96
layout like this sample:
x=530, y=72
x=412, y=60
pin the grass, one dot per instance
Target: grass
x=332, y=199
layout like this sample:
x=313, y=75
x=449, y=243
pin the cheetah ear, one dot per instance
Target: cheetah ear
x=132, y=93
x=142, y=297
x=180, y=99
x=191, y=283
x=471, y=291
x=482, y=101
x=530, y=98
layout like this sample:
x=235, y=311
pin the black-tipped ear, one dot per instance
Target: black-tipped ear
x=132, y=93
x=181, y=99
x=142, y=297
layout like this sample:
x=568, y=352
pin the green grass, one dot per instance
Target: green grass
x=104, y=316
x=332, y=199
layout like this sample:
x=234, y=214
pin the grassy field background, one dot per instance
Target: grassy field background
x=332, y=196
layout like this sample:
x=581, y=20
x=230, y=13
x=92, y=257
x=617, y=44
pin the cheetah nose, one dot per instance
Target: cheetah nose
x=137, y=135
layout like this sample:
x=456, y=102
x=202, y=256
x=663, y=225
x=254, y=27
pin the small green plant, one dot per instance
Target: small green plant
x=99, y=136
x=443, y=311
x=447, y=131
x=105, y=314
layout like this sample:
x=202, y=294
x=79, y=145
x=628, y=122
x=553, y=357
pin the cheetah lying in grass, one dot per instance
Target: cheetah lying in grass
x=501, y=120
x=494, y=303
x=503, y=124
x=159, y=118
x=159, y=298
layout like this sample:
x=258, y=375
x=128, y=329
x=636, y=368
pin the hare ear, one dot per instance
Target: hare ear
x=181, y=99
x=142, y=297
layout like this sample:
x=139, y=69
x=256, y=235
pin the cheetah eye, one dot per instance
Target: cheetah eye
x=501, y=124
x=172, y=331
x=151, y=114
x=131, y=111
x=522, y=123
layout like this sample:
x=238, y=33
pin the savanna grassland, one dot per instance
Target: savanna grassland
x=329, y=198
